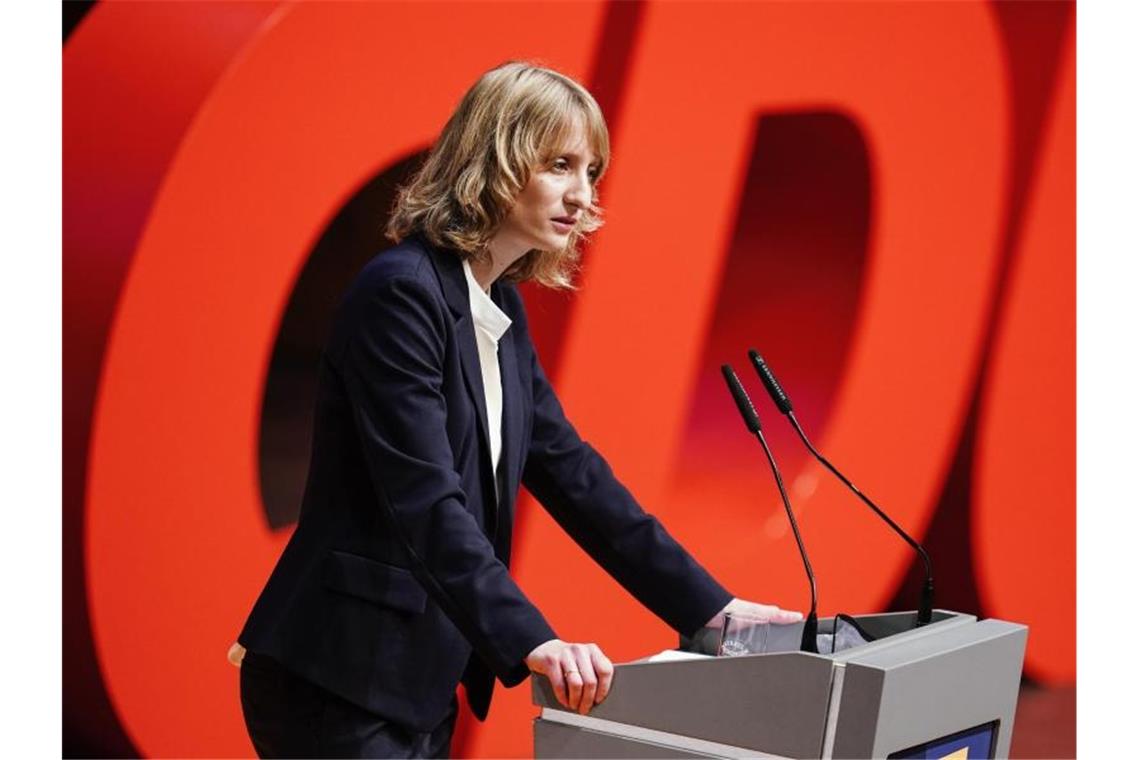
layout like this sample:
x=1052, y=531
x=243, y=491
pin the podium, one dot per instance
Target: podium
x=948, y=689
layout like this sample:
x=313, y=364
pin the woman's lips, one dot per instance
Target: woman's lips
x=563, y=225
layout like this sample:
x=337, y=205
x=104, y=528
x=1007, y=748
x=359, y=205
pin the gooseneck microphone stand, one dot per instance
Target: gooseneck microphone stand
x=752, y=422
x=784, y=404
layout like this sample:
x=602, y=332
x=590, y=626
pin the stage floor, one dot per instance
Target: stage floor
x=1046, y=723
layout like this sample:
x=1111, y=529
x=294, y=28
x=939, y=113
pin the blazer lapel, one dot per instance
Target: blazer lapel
x=449, y=267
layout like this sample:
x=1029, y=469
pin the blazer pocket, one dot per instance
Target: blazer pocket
x=374, y=581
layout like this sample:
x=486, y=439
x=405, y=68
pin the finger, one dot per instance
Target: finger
x=787, y=616
x=589, y=678
x=573, y=678
x=767, y=612
x=554, y=675
x=605, y=670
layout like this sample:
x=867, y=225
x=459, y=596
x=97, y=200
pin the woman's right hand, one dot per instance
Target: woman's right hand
x=580, y=674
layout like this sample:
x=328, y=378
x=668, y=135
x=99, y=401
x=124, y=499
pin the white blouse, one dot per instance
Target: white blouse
x=490, y=325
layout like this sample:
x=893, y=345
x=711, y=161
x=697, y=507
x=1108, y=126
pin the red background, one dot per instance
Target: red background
x=880, y=197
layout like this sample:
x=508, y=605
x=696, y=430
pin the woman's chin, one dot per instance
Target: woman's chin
x=556, y=243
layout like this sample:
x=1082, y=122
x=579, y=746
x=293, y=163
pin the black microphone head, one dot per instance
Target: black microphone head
x=779, y=398
x=743, y=403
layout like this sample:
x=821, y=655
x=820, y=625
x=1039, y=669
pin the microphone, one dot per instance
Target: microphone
x=784, y=404
x=752, y=422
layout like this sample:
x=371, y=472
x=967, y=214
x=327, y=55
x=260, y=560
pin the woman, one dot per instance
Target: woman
x=432, y=408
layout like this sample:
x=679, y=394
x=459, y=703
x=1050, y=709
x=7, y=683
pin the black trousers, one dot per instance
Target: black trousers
x=288, y=716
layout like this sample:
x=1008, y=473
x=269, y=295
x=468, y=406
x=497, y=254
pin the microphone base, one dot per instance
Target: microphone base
x=809, y=642
x=926, y=604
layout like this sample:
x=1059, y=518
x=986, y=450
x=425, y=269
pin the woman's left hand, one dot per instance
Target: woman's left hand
x=769, y=613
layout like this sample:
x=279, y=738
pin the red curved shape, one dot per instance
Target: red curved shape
x=134, y=75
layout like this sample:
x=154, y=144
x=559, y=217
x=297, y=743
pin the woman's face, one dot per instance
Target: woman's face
x=553, y=201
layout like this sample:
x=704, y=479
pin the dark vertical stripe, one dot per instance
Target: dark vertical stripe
x=550, y=310
x=1033, y=34
x=612, y=59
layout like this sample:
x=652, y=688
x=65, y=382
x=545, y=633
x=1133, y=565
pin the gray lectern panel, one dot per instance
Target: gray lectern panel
x=557, y=740
x=929, y=687
x=774, y=703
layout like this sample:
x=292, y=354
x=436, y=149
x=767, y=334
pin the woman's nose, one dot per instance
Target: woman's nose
x=579, y=191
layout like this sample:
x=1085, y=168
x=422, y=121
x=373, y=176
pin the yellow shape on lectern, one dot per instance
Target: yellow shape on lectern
x=958, y=754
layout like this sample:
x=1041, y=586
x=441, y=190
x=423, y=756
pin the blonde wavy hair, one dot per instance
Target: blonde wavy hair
x=510, y=123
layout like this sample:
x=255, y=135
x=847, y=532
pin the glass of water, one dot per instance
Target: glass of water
x=743, y=634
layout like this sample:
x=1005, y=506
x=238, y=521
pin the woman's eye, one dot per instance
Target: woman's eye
x=561, y=165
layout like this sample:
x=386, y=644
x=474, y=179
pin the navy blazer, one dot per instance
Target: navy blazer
x=394, y=586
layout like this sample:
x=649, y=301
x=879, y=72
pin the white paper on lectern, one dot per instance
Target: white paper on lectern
x=674, y=655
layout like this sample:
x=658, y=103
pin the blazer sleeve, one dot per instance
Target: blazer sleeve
x=577, y=487
x=392, y=367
